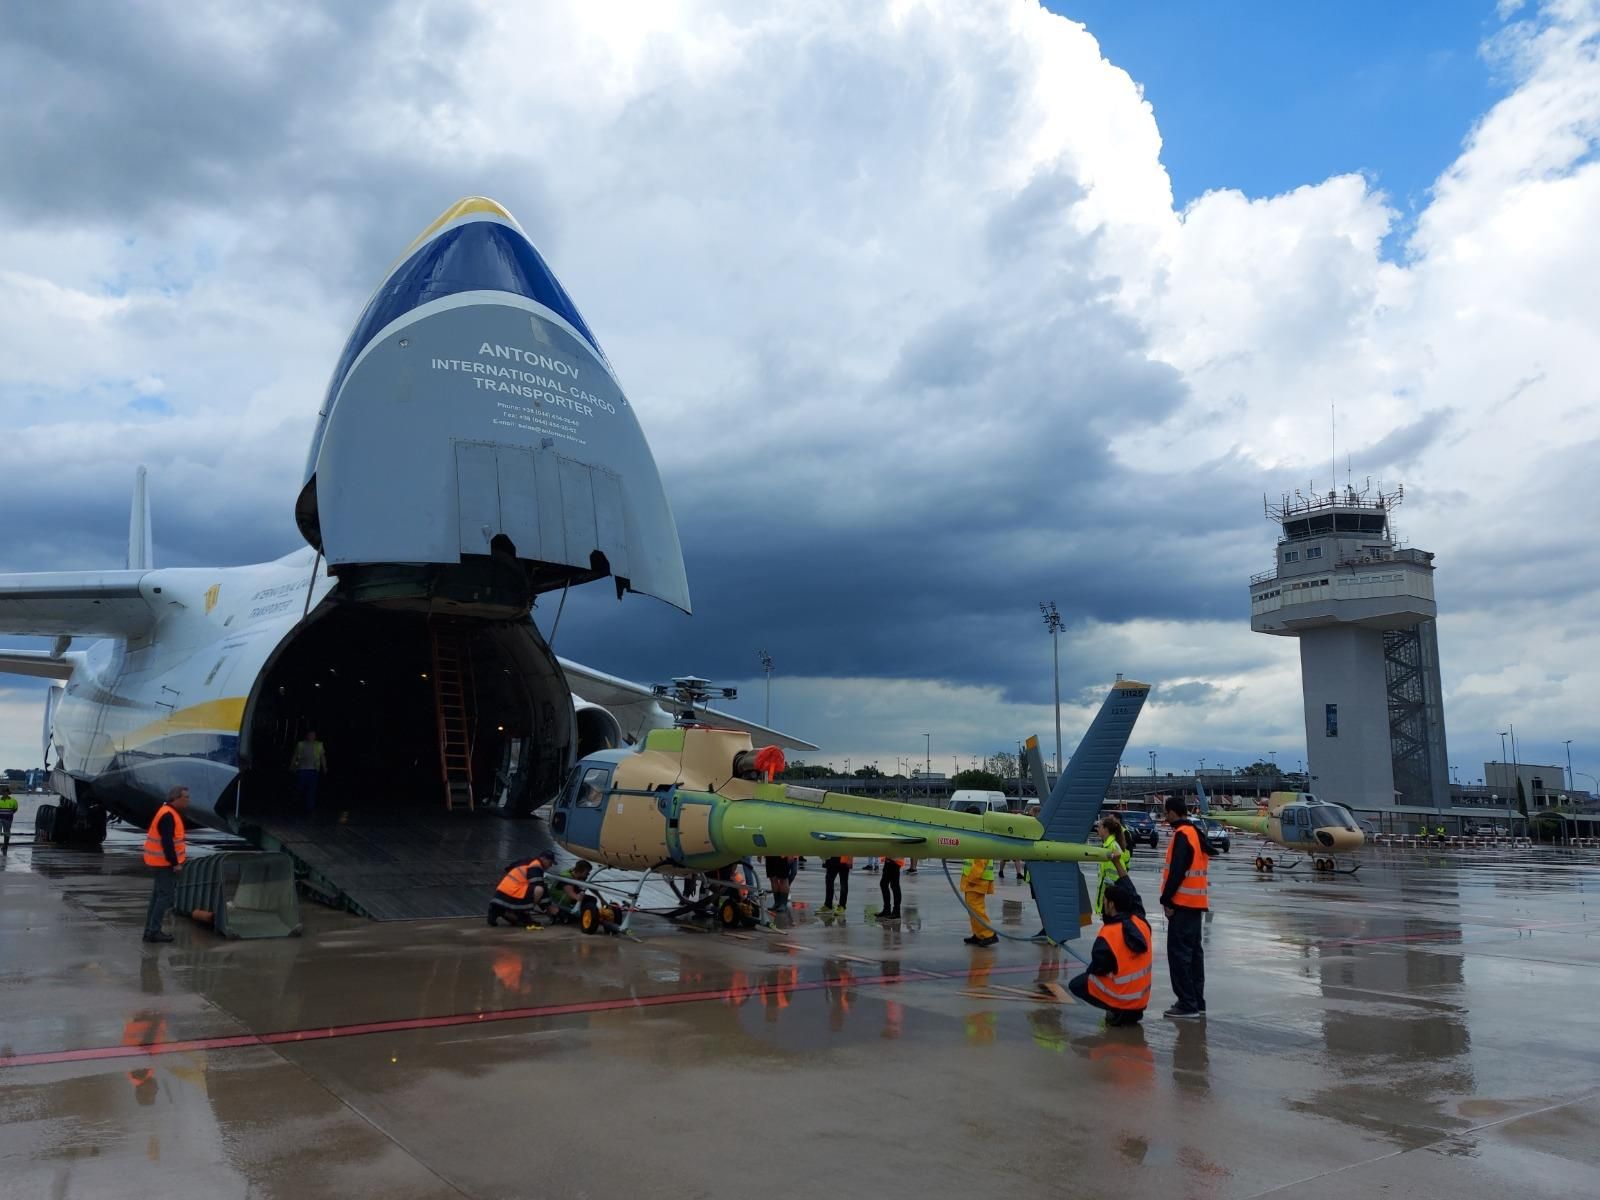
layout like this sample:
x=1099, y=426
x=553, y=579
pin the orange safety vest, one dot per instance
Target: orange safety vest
x=845, y=860
x=1191, y=892
x=1129, y=988
x=154, y=855
x=143, y=1031
x=515, y=883
x=899, y=862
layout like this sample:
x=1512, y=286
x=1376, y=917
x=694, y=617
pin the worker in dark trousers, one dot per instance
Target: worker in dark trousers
x=165, y=852
x=889, y=885
x=1184, y=898
x=780, y=874
x=1118, y=978
x=522, y=891
x=836, y=870
x=8, y=813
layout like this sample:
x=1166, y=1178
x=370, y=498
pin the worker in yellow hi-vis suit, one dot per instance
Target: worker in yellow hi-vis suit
x=977, y=881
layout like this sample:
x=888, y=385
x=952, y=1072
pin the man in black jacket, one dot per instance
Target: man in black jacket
x=1122, y=986
x=1185, y=899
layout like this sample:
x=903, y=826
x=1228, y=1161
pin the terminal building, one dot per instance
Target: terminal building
x=1363, y=609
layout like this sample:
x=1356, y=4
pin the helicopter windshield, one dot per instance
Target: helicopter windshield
x=1331, y=816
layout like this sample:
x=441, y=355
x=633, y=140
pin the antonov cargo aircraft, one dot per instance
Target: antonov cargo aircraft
x=474, y=452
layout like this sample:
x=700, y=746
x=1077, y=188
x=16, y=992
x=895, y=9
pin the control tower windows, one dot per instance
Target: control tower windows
x=1291, y=556
x=1313, y=551
x=1330, y=715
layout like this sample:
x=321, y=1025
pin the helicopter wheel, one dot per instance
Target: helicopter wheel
x=589, y=916
x=728, y=914
x=1268, y=863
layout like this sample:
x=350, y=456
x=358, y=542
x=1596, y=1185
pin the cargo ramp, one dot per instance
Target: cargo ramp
x=411, y=868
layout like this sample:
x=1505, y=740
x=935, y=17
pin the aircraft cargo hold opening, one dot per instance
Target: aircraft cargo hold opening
x=419, y=715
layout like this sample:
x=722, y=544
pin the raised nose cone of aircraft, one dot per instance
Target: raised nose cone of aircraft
x=473, y=412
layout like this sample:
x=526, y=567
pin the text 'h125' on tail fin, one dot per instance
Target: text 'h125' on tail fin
x=1070, y=809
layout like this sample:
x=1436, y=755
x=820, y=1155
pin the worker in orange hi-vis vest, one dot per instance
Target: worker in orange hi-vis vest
x=1120, y=963
x=1185, y=895
x=165, y=852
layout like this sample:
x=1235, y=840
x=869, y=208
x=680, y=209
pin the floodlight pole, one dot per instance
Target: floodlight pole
x=766, y=666
x=1052, y=622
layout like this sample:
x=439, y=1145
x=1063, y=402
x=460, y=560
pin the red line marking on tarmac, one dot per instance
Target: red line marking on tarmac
x=533, y=1013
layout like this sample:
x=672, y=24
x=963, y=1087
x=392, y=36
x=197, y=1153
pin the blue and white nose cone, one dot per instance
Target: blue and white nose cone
x=473, y=403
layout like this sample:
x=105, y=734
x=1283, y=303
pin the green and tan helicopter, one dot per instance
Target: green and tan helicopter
x=1296, y=821
x=697, y=802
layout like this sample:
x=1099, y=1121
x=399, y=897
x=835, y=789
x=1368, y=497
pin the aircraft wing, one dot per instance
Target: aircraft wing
x=74, y=604
x=38, y=663
x=629, y=700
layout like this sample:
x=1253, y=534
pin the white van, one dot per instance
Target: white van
x=985, y=801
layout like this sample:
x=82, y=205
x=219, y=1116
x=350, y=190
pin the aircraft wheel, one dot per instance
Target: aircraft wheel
x=1261, y=863
x=728, y=914
x=589, y=916
x=1268, y=863
x=44, y=824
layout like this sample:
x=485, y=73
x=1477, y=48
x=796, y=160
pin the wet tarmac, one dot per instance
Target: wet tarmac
x=1425, y=1029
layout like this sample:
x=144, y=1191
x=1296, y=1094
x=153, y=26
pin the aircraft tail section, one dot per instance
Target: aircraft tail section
x=141, y=556
x=1202, y=800
x=1069, y=813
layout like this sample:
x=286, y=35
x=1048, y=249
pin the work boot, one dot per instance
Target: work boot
x=972, y=940
x=158, y=937
x=986, y=942
x=886, y=916
x=1179, y=1012
x=494, y=919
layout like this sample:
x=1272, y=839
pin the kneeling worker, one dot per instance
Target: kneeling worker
x=567, y=895
x=522, y=891
x=1118, y=978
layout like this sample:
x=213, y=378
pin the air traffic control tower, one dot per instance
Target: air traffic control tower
x=1363, y=610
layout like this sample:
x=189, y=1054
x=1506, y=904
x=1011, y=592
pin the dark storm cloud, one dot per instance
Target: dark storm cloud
x=140, y=116
x=131, y=105
x=1195, y=691
x=1404, y=446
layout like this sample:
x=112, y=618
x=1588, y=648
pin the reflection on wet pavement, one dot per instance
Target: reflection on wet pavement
x=1355, y=1022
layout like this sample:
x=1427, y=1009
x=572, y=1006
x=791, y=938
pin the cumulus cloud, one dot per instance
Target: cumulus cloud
x=901, y=295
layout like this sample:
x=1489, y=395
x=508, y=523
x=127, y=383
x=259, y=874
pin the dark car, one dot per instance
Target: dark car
x=1141, y=827
x=1219, y=839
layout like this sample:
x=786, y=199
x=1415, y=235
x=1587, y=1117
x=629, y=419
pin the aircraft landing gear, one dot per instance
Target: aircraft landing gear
x=598, y=916
x=71, y=823
x=1330, y=866
x=737, y=912
x=1263, y=863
